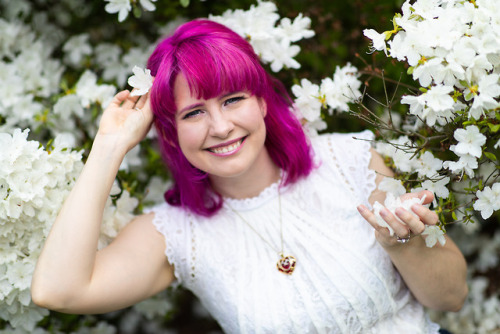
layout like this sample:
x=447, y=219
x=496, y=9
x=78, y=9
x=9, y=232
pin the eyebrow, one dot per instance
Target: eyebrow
x=196, y=105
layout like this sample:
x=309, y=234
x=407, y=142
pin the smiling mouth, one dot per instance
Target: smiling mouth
x=228, y=148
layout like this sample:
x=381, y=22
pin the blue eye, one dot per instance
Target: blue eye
x=192, y=113
x=232, y=100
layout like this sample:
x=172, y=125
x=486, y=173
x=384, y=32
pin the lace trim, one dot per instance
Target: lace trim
x=369, y=175
x=354, y=170
x=160, y=221
x=192, y=267
x=254, y=202
x=333, y=156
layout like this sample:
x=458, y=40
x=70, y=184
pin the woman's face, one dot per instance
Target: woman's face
x=223, y=136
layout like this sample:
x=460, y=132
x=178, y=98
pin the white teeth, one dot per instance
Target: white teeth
x=225, y=149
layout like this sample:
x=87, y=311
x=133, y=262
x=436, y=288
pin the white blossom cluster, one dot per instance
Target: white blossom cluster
x=27, y=74
x=271, y=41
x=393, y=201
x=123, y=7
x=451, y=45
x=33, y=185
x=332, y=94
x=452, y=48
x=426, y=165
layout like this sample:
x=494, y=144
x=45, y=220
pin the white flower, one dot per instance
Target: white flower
x=393, y=186
x=467, y=163
x=67, y=106
x=488, y=89
x=122, y=7
x=281, y=55
x=90, y=92
x=307, y=101
x=378, y=40
x=392, y=203
x=343, y=89
x=424, y=72
x=142, y=81
x=438, y=98
x=433, y=234
x=437, y=187
x=148, y=5
x=76, y=48
x=296, y=30
x=488, y=200
x=470, y=141
x=428, y=165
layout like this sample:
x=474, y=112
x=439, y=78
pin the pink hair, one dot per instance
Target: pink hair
x=215, y=60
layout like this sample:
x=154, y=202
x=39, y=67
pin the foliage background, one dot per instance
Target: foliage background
x=338, y=40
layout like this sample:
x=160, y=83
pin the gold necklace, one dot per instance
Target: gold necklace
x=285, y=264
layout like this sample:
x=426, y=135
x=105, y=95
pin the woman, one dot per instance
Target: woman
x=249, y=190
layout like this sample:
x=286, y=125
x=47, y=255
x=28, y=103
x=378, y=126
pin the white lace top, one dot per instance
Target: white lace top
x=343, y=282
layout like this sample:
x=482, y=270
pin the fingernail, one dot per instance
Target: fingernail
x=399, y=211
x=384, y=213
x=361, y=209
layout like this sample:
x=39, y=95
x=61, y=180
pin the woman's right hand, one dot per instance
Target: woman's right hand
x=126, y=121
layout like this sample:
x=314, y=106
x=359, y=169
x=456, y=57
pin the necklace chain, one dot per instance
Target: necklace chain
x=256, y=232
x=286, y=264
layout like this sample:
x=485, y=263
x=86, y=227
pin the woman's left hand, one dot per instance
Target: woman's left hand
x=409, y=225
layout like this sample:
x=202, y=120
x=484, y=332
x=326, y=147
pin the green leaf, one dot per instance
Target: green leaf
x=494, y=128
x=184, y=3
x=490, y=156
x=454, y=215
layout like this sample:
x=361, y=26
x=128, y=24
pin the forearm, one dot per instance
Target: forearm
x=436, y=276
x=67, y=260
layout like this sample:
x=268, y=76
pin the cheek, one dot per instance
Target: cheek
x=189, y=137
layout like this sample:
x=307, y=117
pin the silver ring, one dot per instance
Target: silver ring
x=404, y=240
x=138, y=109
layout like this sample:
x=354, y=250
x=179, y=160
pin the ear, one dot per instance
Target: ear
x=262, y=106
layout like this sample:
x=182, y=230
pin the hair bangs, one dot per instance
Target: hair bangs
x=215, y=70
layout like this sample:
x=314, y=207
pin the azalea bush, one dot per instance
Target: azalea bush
x=428, y=86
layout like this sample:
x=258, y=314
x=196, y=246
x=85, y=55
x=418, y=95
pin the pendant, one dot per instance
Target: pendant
x=286, y=264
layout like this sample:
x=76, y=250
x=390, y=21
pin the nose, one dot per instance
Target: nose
x=220, y=124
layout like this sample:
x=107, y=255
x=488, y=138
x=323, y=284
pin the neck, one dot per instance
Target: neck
x=250, y=183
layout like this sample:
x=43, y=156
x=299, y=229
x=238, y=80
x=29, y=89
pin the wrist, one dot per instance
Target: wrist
x=109, y=145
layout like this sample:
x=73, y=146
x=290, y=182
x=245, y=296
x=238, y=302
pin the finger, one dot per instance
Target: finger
x=372, y=220
x=400, y=229
x=119, y=98
x=429, y=196
x=426, y=215
x=413, y=222
x=143, y=102
x=369, y=217
x=130, y=102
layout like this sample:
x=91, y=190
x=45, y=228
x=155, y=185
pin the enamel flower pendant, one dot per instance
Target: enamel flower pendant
x=286, y=264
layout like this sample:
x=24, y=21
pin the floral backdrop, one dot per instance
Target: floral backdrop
x=424, y=75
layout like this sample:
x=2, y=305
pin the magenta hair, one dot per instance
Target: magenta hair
x=215, y=60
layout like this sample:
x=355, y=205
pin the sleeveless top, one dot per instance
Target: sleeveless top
x=344, y=282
